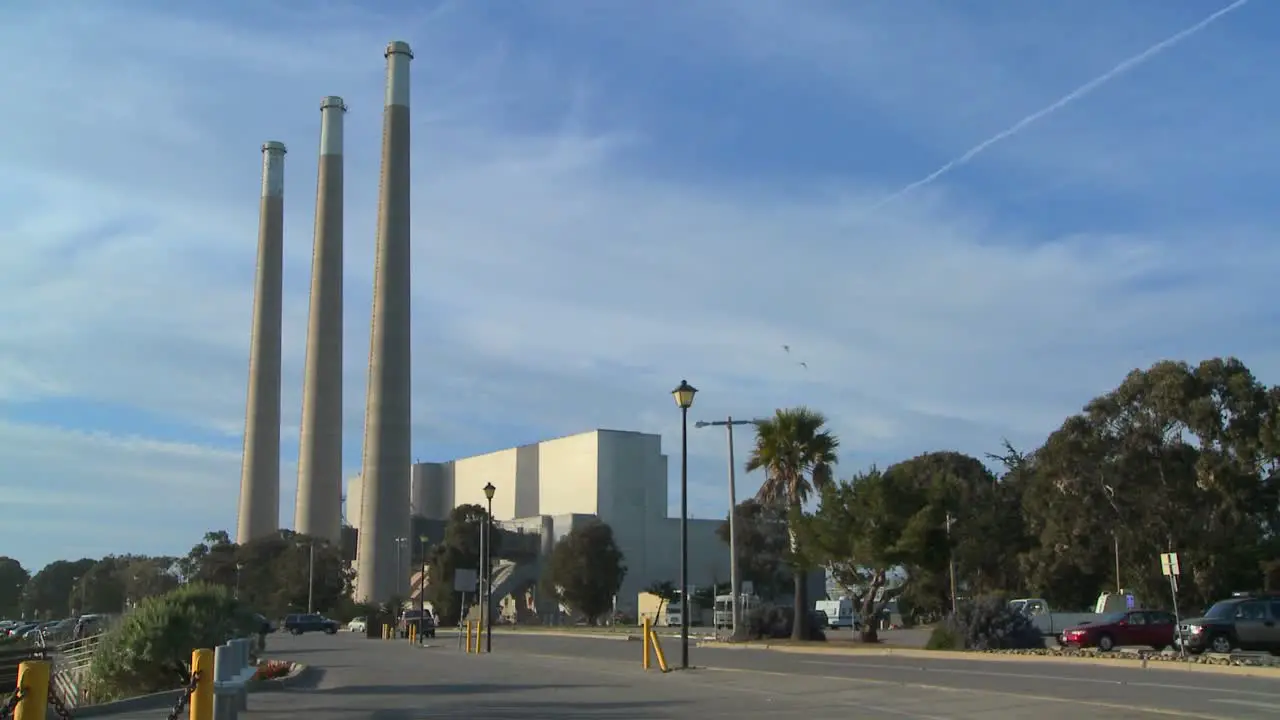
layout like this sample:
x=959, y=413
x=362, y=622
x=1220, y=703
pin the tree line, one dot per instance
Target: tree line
x=1177, y=458
x=275, y=575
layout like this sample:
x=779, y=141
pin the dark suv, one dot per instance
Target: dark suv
x=298, y=624
x=1246, y=621
x=422, y=619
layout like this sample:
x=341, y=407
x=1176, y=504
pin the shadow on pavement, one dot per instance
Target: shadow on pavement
x=427, y=689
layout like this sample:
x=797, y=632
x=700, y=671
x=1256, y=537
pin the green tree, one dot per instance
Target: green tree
x=13, y=578
x=281, y=574
x=100, y=589
x=48, y=592
x=460, y=549
x=211, y=561
x=763, y=547
x=797, y=454
x=1176, y=458
x=586, y=570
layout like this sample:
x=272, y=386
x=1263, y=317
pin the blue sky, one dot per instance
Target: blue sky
x=610, y=196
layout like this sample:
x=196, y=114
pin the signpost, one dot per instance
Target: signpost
x=464, y=581
x=1171, y=568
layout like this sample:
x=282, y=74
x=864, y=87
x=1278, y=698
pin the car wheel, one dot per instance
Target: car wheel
x=330, y=631
x=296, y=631
x=1220, y=644
x=1106, y=643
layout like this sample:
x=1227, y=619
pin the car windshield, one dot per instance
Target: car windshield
x=1224, y=610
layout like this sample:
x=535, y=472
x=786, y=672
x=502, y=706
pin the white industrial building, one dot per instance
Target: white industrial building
x=549, y=487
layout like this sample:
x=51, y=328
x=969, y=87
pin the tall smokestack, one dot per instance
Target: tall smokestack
x=381, y=570
x=318, y=511
x=260, y=469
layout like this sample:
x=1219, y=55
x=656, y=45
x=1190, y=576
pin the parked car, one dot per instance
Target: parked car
x=1051, y=623
x=358, y=625
x=1247, y=621
x=1146, y=628
x=423, y=619
x=265, y=626
x=299, y=624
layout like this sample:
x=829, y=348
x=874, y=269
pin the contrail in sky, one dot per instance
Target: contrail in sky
x=1062, y=102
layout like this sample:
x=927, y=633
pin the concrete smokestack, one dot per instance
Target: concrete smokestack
x=385, y=484
x=260, y=468
x=318, y=510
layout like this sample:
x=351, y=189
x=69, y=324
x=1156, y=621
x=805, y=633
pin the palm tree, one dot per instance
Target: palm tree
x=797, y=454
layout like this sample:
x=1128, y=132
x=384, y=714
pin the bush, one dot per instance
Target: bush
x=773, y=622
x=986, y=624
x=150, y=649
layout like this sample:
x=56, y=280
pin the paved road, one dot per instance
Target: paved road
x=535, y=676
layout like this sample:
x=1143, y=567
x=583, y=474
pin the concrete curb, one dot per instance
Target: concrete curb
x=1138, y=663
x=623, y=637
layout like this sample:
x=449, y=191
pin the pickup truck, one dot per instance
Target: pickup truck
x=1051, y=623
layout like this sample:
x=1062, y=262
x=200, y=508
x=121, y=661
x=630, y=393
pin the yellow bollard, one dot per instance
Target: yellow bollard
x=33, y=678
x=202, y=698
x=657, y=651
x=645, y=636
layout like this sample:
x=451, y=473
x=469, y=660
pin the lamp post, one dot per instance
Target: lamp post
x=683, y=394
x=736, y=602
x=489, y=490
x=311, y=577
x=422, y=585
x=239, y=567
x=400, y=542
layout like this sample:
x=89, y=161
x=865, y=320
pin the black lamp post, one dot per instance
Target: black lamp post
x=684, y=400
x=489, y=490
x=422, y=586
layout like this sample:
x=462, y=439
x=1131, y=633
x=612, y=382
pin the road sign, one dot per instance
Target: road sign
x=748, y=587
x=464, y=580
x=1169, y=564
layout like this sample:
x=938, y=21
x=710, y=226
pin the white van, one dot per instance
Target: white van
x=840, y=613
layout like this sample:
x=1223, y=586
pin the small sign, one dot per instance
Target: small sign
x=1169, y=564
x=465, y=580
x=748, y=588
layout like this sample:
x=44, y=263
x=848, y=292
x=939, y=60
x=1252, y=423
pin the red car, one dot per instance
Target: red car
x=1149, y=628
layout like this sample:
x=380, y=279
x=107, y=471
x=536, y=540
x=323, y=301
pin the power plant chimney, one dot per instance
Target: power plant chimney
x=318, y=511
x=381, y=570
x=260, y=468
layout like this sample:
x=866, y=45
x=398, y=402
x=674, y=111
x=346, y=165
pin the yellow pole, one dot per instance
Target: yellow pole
x=657, y=651
x=645, y=626
x=33, y=678
x=202, y=698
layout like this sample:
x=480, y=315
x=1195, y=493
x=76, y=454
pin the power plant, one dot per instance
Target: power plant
x=260, y=467
x=318, y=511
x=383, y=512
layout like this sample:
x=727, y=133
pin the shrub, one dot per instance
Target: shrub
x=773, y=622
x=987, y=624
x=150, y=649
x=272, y=669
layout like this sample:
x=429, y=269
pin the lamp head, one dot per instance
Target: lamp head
x=489, y=490
x=684, y=395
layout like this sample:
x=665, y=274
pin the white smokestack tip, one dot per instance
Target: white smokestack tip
x=398, y=56
x=331, y=110
x=273, y=168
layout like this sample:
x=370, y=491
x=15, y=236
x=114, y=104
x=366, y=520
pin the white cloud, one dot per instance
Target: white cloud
x=558, y=285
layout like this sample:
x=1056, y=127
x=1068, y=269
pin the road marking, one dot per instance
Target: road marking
x=997, y=693
x=1037, y=676
x=1273, y=707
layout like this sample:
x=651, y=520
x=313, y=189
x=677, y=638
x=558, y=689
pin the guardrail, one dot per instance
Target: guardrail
x=217, y=687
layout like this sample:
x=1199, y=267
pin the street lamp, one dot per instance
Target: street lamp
x=422, y=586
x=399, y=572
x=683, y=394
x=311, y=577
x=489, y=490
x=735, y=603
x=239, y=567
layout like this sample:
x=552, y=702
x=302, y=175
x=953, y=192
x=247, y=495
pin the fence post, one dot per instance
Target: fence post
x=244, y=661
x=202, y=698
x=33, y=677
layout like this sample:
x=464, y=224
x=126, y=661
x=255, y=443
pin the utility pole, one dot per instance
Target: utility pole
x=735, y=591
x=951, y=565
x=1115, y=537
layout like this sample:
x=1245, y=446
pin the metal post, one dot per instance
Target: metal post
x=488, y=579
x=1115, y=537
x=484, y=541
x=951, y=566
x=735, y=607
x=686, y=606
